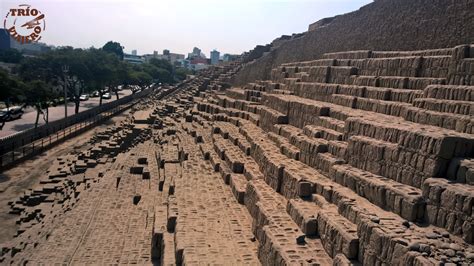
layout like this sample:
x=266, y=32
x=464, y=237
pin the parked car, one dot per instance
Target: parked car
x=95, y=94
x=12, y=113
x=106, y=96
x=4, y=115
x=136, y=88
x=84, y=97
x=16, y=112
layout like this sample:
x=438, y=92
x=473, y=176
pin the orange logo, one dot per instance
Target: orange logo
x=25, y=24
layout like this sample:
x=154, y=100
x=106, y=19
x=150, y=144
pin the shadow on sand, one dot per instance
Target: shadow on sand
x=22, y=127
x=4, y=178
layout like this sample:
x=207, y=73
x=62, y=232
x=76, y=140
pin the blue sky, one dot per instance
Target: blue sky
x=179, y=25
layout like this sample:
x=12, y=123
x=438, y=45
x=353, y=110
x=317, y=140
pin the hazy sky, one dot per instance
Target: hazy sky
x=230, y=26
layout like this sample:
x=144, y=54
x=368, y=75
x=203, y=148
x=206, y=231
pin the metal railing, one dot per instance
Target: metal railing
x=15, y=148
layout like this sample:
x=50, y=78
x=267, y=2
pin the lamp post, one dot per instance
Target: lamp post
x=65, y=69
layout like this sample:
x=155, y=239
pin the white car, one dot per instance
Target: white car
x=106, y=96
x=12, y=113
x=84, y=97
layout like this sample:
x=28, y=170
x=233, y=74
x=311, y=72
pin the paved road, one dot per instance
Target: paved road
x=28, y=119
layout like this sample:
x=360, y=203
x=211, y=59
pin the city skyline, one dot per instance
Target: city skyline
x=148, y=26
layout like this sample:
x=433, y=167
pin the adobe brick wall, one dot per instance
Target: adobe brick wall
x=381, y=25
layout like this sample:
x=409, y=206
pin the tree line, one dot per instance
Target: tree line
x=40, y=81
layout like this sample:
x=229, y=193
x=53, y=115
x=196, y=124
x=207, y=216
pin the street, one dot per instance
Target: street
x=28, y=119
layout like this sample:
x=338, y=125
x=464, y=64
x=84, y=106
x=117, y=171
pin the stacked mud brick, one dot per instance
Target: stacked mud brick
x=60, y=189
x=366, y=154
x=114, y=201
x=360, y=157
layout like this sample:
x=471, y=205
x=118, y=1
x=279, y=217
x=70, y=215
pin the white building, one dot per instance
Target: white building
x=215, y=57
x=134, y=59
x=167, y=55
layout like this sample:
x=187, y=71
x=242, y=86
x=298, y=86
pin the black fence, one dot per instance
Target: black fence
x=19, y=146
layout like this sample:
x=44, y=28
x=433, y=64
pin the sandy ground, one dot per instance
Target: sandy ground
x=15, y=181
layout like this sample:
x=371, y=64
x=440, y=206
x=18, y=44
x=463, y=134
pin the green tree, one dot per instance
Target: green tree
x=39, y=95
x=164, y=76
x=33, y=68
x=9, y=89
x=140, y=78
x=10, y=56
x=89, y=69
x=101, y=66
x=10, y=92
x=119, y=76
x=180, y=73
x=159, y=73
x=167, y=73
x=115, y=48
x=77, y=76
x=161, y=63
x=152, y=70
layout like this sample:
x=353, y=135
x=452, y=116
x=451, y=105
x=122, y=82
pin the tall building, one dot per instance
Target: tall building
x=4, y=39
x=197, y=60
x=215, y=57
x=31, y=48
x=167, y=55
x=134, y=52
x=196, y=51
x=171, y=57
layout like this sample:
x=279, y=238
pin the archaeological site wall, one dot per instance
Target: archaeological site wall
x=357, y=158
x=381, y=25
x=359, y=150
